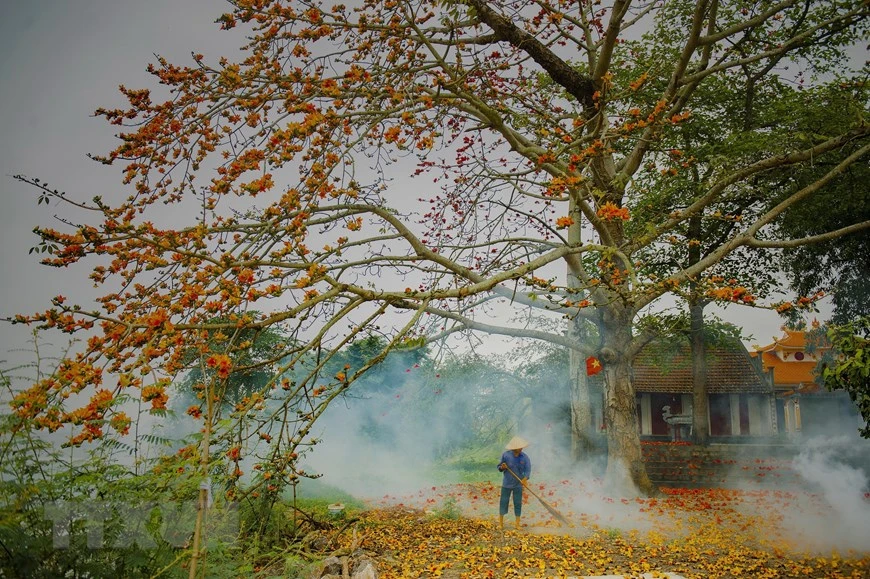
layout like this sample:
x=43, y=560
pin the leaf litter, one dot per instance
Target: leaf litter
x=695, y=533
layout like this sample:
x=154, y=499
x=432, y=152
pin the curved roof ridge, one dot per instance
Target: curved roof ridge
x=793, y=339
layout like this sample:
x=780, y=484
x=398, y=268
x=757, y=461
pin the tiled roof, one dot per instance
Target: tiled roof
x=729, y=371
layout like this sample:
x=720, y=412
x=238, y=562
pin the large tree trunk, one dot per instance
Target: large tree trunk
x=626, y=471
x=700, y=419
x=582, y=429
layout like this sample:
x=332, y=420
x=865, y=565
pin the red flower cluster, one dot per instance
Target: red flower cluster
x=221, y=363
x=156, y=395
x=609, y=211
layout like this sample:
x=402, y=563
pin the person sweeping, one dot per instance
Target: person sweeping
x=517, y=467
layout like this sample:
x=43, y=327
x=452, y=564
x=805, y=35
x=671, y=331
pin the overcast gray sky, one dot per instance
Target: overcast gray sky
x=59, y=61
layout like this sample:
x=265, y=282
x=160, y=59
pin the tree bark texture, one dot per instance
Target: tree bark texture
x=700, y=419
x=624, y=458
x=582, y=443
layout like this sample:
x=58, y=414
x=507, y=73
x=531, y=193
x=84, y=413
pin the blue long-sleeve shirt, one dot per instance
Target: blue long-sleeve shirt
x=521, y=465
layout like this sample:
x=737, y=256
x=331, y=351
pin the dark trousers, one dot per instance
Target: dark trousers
x=506, y=493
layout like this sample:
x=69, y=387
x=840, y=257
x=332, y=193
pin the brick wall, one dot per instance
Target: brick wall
x=720, y=465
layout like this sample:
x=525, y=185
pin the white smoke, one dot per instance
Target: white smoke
x=836, y=515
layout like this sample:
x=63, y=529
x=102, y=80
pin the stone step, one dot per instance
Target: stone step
x=717, y=465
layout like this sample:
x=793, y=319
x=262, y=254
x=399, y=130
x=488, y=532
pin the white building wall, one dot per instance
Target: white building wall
x=757, y=417
x=735, y=414
x=686, y=401
x=645, y=414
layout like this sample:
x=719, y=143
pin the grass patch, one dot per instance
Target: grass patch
x=314, y=498
x=469, y=465
x=448, y=510
x=464, y=472
x=315, y=491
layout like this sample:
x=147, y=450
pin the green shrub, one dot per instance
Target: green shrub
x=448, y=510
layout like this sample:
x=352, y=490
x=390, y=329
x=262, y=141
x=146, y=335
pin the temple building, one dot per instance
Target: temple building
x=740, y=398
x=802, y=405
x=767, y=394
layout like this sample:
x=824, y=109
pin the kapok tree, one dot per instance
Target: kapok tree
x=427, y=167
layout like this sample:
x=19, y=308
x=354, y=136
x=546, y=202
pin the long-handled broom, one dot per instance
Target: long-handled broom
x=556, y=514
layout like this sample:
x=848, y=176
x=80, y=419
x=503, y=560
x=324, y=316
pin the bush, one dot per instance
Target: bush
x=448, y=510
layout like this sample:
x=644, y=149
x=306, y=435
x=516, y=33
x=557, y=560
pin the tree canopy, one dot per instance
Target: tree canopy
x=847, y=366
x=839, y=267
x=426, y=168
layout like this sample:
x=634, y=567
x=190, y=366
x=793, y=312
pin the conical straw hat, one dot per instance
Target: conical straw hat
x=517, y=443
